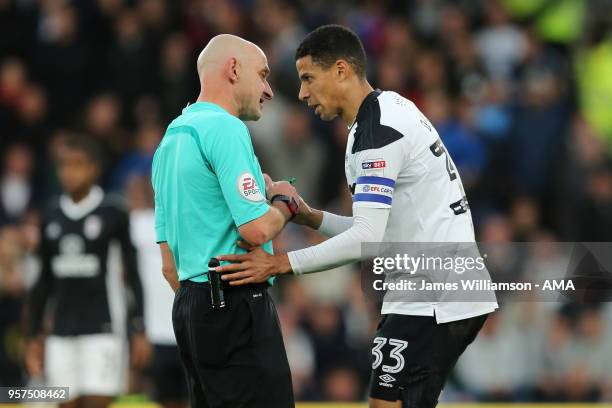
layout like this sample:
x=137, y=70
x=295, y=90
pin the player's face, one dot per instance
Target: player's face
x=254, y=86
x=319, y=88
x=77, y=171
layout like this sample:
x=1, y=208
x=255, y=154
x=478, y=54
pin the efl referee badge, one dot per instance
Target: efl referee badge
x=248, y=188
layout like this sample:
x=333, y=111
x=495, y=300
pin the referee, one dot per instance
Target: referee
x=208, y=195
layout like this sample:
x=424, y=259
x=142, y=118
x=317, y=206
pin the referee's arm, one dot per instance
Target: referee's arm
x=268, y=226
x=168, y=266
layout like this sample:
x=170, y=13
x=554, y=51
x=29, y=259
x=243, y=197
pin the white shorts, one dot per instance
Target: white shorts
x=93, y=364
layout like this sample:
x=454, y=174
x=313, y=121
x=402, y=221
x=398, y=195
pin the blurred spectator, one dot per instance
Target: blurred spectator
x=538, y=135
x=178, y=77
x=594, y=212
x=525, y=218
x=501, y=43
x=499, y=347
x=461, y=142
x=391, y=74
x=278, y=21
x=130, y=57
x=578, y=349
x=12, y=83
x=102, y=121
x=63, y=61
x=138, y=161
x=300, y=352
x=298, y=154
x=430, y=76
x=16, y=184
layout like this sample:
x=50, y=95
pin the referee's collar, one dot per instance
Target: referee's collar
x=198, y=106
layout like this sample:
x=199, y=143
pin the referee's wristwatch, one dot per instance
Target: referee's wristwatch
x=292, y=205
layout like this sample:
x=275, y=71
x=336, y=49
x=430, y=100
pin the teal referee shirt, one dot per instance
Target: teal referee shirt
x=207, y=183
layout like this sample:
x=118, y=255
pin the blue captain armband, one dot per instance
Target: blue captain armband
x=373, y=191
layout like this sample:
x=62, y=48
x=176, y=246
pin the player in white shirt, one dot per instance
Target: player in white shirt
x=405, y=189
x=166, y=370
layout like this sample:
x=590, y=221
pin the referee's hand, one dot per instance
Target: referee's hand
x=256, y=266
x=279, y=187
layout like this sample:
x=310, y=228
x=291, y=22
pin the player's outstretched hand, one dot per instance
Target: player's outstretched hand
x=307, y=215
x=256, y=266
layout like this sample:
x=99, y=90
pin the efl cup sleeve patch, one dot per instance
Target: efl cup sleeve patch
x=248, y=188
x=372, y=191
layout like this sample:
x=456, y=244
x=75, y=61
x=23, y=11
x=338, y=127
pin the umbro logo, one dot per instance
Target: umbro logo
x=387, y=378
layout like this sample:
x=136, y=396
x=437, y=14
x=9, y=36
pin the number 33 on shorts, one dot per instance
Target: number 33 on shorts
x=395, y=353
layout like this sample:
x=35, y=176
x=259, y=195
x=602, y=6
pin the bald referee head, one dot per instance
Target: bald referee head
x=234, y=74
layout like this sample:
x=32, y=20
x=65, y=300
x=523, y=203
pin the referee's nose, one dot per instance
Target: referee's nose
x=267, y=93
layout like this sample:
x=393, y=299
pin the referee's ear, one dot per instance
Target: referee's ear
x=232, y=70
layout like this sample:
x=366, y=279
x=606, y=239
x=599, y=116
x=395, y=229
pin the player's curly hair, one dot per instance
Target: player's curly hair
x=329, y=43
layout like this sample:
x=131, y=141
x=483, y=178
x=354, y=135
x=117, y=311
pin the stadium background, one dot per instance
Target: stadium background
x=519, y=90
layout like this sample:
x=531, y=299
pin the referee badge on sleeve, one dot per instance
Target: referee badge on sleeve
x=248, y=188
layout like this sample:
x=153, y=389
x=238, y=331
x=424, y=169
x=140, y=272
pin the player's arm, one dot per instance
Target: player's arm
x=35, y=309
x=140, y=349
x=328, y=224
x=368, y=226
x=130, y=266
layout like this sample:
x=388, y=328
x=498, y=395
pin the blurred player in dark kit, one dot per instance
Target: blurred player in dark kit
x=85, y=347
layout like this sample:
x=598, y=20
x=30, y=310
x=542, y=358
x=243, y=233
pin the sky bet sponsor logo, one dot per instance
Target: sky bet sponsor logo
x=376, y=189
x=374, y=164
x=248, y=188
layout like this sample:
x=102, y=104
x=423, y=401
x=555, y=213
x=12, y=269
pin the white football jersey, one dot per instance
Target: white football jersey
x=395, y=159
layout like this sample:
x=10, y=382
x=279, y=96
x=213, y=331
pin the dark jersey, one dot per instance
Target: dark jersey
x=86, y=294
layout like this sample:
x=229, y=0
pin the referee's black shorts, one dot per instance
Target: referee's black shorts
x=234, y=357
x=412, y=357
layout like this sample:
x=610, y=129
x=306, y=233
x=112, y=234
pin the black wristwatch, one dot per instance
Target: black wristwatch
x=292, y=205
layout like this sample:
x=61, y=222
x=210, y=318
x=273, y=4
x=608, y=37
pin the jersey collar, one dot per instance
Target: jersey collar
x=76, y=211
x=363, y=108
x=198, y=106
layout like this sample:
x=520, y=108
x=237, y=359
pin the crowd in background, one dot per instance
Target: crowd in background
x=519, y=90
